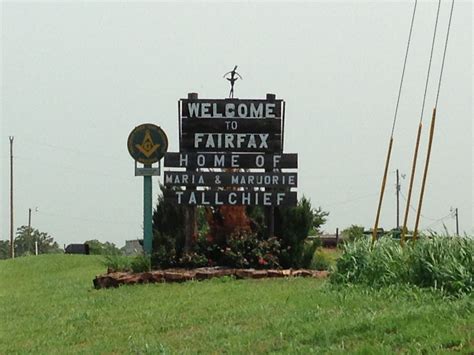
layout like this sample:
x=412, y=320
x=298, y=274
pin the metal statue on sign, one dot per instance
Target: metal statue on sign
x=234, y=76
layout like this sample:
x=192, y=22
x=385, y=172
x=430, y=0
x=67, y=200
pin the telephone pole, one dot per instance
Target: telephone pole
x=398, y=201
x=12, y=247
x=457, y=221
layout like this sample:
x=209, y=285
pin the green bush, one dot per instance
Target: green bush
x=117, y=262
x=321, y=260
x=292, y=226
x=439, y=262
x=241, y=250
x=140, y=263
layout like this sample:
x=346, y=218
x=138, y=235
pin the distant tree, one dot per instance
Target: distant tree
x=98, y=248
x=319, y=218
x=353, y=232
x=4, y=249
x=25, y=242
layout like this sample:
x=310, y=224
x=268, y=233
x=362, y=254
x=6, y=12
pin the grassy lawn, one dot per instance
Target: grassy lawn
x=48, y=305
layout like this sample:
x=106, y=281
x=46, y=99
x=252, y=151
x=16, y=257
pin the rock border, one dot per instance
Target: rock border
x=116, y=279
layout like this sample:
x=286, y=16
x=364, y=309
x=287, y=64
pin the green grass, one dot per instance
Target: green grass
x=48, y=305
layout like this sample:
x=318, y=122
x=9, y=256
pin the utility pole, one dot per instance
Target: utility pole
x=29, y=222
x=457, y=221
x=29, y=231
x=398, y=200
x=12, y=247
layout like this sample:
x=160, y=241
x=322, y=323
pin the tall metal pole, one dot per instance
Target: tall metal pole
x=410, y=185
x=425, y=174
x=398, y=200
x=12, y=247
x=147, y=214
x=382, y=190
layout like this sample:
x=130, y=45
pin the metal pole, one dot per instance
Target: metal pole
x=457, y=222
x=398, y=200
x=147, y=213
x=382, y=190
x=12, y=246
x=425, y=174
x=410, y=185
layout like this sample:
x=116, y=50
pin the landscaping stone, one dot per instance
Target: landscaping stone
x=115, y=279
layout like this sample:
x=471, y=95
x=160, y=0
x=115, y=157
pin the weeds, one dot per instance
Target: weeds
x=439, y=262
x=139, y=263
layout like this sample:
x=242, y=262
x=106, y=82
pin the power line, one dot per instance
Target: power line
x=439, y=220
x=430, y=61
x=389, y=153
x=444, y=54
x=404, y=67
x=414, y=209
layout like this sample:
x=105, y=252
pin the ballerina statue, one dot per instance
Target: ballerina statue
x=234, y=76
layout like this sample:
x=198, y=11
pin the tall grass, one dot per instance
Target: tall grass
x=445, y=263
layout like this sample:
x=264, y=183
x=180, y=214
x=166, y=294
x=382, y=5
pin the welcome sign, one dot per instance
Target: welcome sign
x=231, y=125
x=228, y=135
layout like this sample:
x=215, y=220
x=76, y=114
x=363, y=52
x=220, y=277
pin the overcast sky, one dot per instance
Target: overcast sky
x=77, y=77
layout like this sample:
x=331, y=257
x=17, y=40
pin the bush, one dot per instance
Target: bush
x=242, y=250
x=438, y=262
x=117, y=262
x=321, y=260
x=140, y=263
x=121, y=263
x=292, y=226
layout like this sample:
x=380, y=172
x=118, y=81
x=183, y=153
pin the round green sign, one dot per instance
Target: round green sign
x=147, y=143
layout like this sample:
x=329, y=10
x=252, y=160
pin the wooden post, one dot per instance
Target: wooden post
x=270, y=211
x=190, y=229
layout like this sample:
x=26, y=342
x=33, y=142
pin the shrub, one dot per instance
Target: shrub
x=168, y=231
x=292, y=226
x=321, y=260
x=242, y=250
x=117, y=262
x=140, y=263
x=438, y=262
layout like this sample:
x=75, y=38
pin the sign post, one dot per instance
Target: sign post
x=147, y=213
x=147, y=144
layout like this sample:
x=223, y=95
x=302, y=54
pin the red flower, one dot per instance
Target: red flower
x=262, y=261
